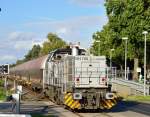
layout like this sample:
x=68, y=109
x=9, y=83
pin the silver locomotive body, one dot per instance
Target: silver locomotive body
x=78, y=81
x=71, y=78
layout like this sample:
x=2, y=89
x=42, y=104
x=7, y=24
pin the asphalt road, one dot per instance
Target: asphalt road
x=130, y=109
x=123, y=109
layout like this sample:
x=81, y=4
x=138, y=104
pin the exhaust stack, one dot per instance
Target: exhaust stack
x=75, y=48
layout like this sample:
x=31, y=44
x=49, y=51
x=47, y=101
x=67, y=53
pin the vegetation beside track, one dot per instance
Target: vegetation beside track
x=2, y=91
x=2, y=94
x=138, y=98
x=1, y=83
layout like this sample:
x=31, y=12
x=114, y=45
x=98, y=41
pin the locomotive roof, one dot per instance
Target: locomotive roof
x=67, y=50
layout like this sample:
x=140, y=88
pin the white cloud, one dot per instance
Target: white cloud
x=76, y=22
x=19, y=45
x=7, y=58
x=17, y=36
x=88, y=3
x=62, y=30
x=21, y=40
x=74, y=29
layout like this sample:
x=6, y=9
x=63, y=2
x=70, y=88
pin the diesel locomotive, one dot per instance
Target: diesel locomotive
x=69, y=77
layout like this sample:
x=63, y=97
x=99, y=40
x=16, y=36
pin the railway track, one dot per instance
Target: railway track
x=34, y=96
x=113, y=113
x=30, y=95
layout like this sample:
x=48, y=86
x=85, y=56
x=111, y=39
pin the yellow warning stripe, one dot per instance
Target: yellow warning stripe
x=107, y=104
x=111, y=102
x=67, y=95
x=78, y=105
x=74, y=104
x=71, y=101
x=68, y=99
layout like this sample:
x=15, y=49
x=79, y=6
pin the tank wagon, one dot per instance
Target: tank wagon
x=30, y=73
x=70, y=77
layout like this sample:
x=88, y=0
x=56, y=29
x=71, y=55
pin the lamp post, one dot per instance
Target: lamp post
x=111, y=62
x=99, y=46
x=125, y=38
x=111, y=58
x=145, y=33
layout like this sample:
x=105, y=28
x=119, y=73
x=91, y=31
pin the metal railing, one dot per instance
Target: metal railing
x=132, y=84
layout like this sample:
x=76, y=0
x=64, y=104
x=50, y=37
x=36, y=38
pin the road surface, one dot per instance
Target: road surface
x=123, y=109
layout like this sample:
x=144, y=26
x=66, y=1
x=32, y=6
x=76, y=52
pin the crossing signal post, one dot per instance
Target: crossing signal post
x=4, y=69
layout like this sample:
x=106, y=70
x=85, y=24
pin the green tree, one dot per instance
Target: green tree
x=126, y=18
x=54, y=42
x=19, y=62
x=33, y=53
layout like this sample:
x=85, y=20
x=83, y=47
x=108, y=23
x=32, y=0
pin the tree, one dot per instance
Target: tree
x=19, y=62
x=126, y=18
x=54, y=42
x=33, y=53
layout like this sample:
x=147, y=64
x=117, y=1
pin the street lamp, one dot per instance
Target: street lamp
x=99, y=46
x=111, y=58
x=145, y=32
x=111, y=62
x=125, y=38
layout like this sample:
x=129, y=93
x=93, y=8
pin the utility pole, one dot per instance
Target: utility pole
x=111, y=58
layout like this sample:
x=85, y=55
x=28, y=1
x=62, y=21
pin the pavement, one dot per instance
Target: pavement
x=34, y=107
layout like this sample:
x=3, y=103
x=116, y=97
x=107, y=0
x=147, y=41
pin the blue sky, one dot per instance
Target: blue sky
x=27, y=22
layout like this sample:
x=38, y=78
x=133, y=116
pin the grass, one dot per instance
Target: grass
x=138, y=98
x=2, y=94
x=2, y=91
x=39, y=115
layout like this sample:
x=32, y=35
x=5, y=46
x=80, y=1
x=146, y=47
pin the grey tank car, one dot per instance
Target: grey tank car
x=69, y=77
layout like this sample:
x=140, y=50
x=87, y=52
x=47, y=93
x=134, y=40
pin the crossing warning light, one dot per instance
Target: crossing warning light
x=4, y=69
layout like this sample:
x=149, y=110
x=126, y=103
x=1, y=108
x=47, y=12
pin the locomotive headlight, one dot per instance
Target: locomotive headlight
x=77, y=96
x=110, y=96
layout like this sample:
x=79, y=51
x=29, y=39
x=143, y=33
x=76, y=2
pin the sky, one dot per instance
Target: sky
x=24, y=23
